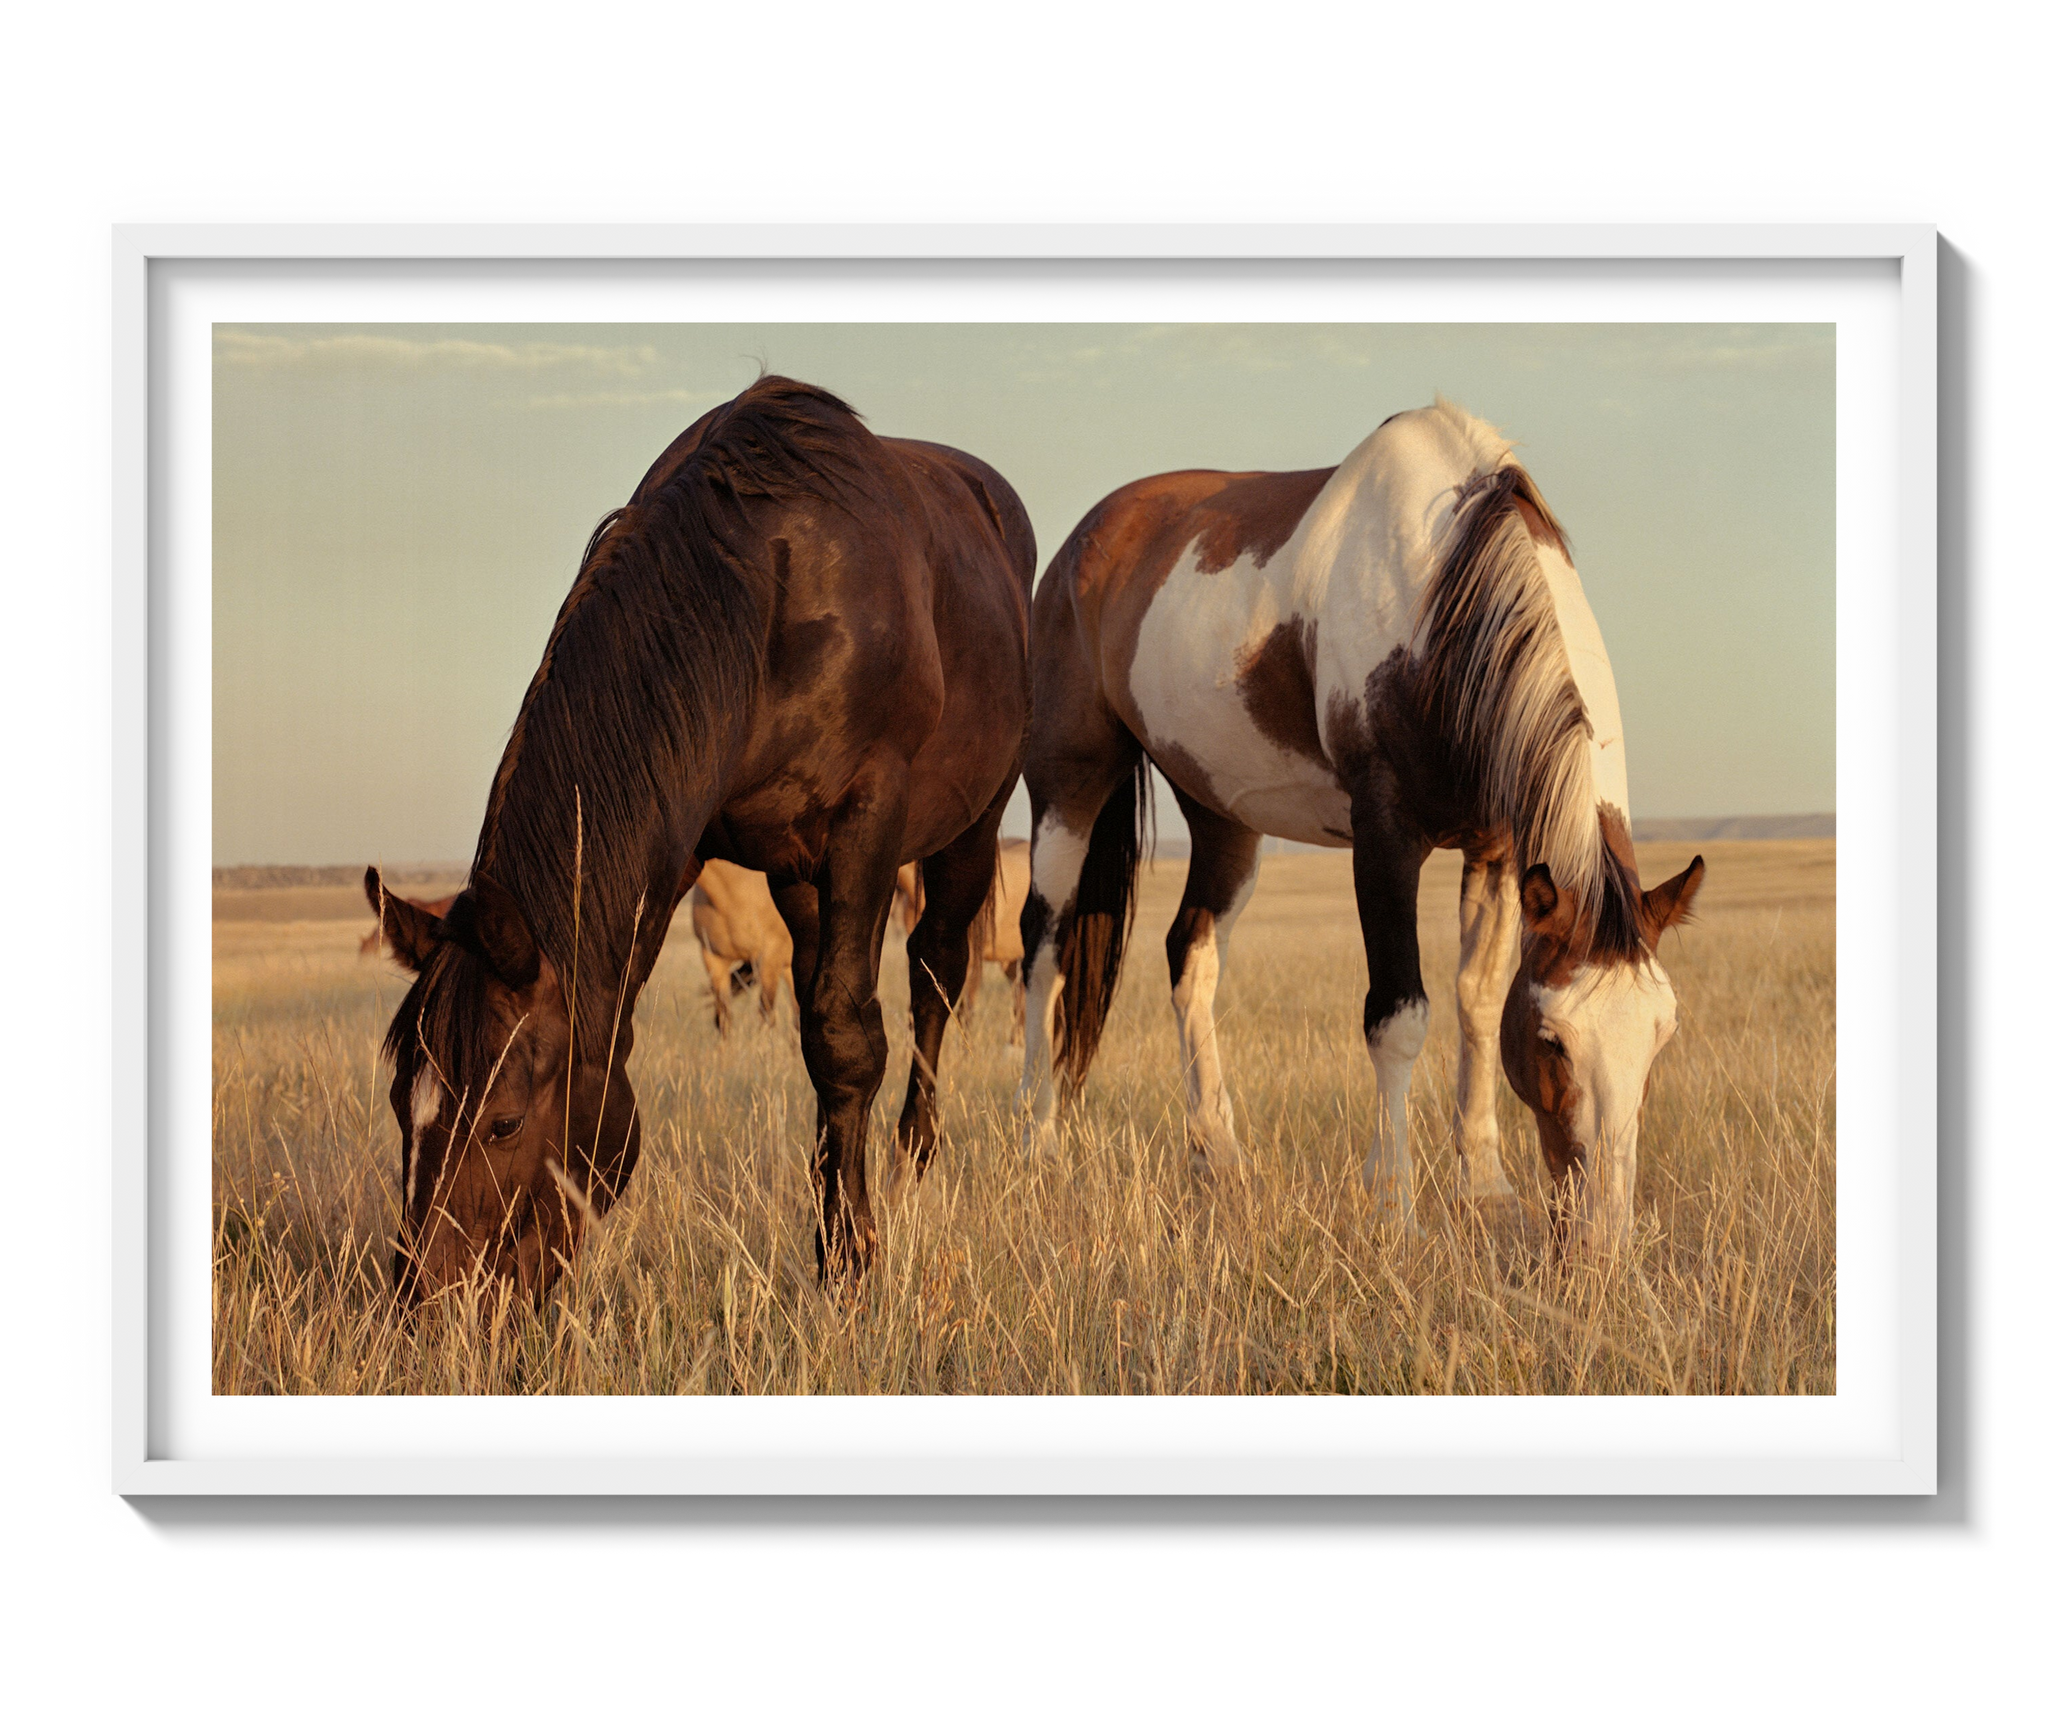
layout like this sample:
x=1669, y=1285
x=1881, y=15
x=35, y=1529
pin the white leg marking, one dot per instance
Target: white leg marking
x=1212, y=1132
x=1039, y=1097
x=1489, y=951
x=1057, y=854
x=1389, y=1175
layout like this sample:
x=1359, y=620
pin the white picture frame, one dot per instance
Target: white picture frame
x=1884, y=1442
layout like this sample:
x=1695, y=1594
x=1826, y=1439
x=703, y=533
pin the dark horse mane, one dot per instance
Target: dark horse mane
x=1497, y=685
x=645, y=687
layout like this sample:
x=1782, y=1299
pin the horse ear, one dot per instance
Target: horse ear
x=487, y=918
x=409, y=930
x=1546, y=907
x=1670, y=903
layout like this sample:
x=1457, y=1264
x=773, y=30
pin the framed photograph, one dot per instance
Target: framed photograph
x=1002, y=860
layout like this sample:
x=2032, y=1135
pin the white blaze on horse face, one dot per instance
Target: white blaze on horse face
x=426, y=1107
x=1610, y=1022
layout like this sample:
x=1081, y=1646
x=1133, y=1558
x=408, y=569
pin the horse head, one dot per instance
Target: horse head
x=1579, y=1032
x=513, y=1137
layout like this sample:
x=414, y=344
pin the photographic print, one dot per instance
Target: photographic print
x=1023, y=859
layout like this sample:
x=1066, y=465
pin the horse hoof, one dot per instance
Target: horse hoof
x=1041, y=1142
x=1387, y=1210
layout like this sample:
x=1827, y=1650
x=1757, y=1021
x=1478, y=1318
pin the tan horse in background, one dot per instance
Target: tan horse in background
x=740, y=934
x=374, y=938
x=997, y=934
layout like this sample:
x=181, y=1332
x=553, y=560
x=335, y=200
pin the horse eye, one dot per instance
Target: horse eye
x=1544, y=1035
x=506, y=1126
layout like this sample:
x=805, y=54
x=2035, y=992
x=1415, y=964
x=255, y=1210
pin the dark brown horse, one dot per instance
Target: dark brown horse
x=799, y=648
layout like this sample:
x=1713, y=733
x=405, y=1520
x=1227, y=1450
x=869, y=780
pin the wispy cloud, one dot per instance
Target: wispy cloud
x=624, y=397
x=1094, y=352
x=247, y=348
x=1253, y=348
x=1706, y=346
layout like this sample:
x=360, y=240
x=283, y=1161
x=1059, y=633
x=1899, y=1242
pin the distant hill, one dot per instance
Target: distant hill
x=1807, y=826
x=332, y=876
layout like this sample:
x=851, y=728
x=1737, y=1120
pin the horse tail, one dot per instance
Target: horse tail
x=981, y=934
x=1098, y=927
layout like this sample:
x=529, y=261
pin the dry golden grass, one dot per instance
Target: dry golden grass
x=1111, y=1271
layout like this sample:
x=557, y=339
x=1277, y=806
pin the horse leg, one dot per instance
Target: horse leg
x=1386, y=870
x=971, y=986
x=798, y=904
x=1223, y=869
x=1489, y=950
x=1069, y=787
x=942, y=960
x=771, y=982
x=844, y=1045
x=719, y=971
x=1013, y=972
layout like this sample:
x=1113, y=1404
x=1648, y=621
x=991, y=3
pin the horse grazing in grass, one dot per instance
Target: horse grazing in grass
x=1391, y=655
x=373, y=938
x=799, y=647
x=997, y=935
x=740, y=935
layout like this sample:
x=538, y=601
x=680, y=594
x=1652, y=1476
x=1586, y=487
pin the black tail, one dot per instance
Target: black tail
x=1093, y=936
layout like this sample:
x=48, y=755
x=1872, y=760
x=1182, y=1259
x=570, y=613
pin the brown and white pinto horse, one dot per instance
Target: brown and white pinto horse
x=1391, y=655
x=800, y=648
x=740, y=935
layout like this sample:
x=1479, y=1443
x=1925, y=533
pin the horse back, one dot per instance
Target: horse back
x=1174, y=596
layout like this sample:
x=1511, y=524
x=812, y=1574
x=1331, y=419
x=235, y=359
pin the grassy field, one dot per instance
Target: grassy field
x=1111, y=1271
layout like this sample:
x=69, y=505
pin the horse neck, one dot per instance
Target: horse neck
x=602, y=880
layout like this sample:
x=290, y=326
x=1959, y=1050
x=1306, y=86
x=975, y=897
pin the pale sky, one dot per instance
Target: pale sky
x=398, y=511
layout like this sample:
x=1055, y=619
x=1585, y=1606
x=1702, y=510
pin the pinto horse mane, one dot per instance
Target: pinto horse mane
x=647, y=683
x=1497, y=684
